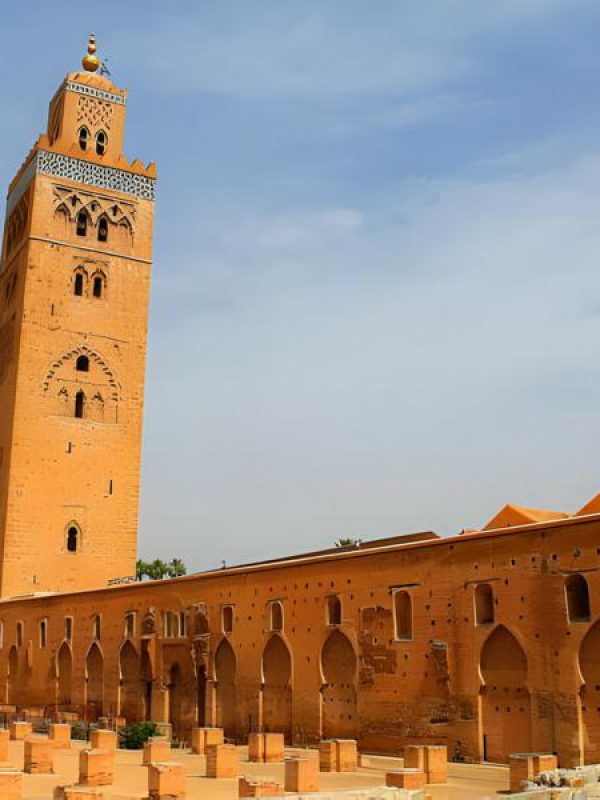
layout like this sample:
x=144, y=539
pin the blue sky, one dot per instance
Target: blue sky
x=375, y=303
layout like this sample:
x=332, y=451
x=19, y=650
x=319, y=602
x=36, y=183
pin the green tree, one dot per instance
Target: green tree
x=157, y=570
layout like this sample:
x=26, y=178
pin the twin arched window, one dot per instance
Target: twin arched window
x=83, y=137
x=82, y=223
x=80, y=283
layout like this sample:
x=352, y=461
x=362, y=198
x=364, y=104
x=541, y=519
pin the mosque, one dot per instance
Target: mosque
x=488, y=640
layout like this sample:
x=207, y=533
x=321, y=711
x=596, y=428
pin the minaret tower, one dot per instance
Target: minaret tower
x=74, y=282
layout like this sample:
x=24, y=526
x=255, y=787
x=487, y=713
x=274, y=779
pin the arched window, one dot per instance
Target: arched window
x=101, y=140
x=82, y=364
x=84, y=136
x=97, y=286
x=578, y=598
x=102, y=229
x=334, y=610
x=403, y=622
x=227, y=618
x=79, y=404
x=78, y=284
x=72, y=539
x=276, y=616
x=129, y=631
x=82, y=223
x=484, y=604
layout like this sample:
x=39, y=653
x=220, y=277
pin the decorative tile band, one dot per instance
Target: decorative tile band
x=100, y=94
x=75, y=169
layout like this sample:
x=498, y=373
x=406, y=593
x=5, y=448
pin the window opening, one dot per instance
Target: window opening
x=276, y=616
x=98, y=282
x=82, y=364
x=227, y=615
x=129, y=625
x=82, y=223
x=43, y=633
x=78, y=286
x=79, y=404
x=334, y=610
x=97, y=627
x=101, y=140
x=403, y=615
x=484, y=604
x=102, y=234
x=578, y=599
x=68, y=628
x=84, y=135
x=19, y=634
x=72, y=539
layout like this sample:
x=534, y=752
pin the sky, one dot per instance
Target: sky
x=375, y=304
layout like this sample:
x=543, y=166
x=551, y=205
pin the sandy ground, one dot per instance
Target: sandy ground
x=131, y=781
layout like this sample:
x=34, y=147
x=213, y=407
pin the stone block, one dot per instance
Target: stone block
x=346, y=755
x=414, y=756
x=20, y=730
x=255, y=747
x=259, y=787
x=104, y=740
x=301, y=775
x=78, y=793
x=406, y=779
x=222, y=761
x=266, y=748
x=544, y=762
x=436, y=763
x=166, y=781
x=38, y=755
x=4, y=735
x=11, y=784
x=328, y=755
x=156, y=751
x=59, y=734
x=521, y=768
x=205, y=737
x=96, y=767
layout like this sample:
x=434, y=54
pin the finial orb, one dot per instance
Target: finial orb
x=90, y=61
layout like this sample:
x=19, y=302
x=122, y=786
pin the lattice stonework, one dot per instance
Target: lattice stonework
x=94, y=113
x=74, y=169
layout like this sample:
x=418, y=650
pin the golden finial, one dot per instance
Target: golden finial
x=91, y=62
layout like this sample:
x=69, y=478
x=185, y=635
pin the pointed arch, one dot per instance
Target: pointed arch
x=277, y=687
x=102, y=228
x=94, y=675
x=61, y=370
x=64, y=673
x=338, y=693
x=130, y=682
x=589, y=667
x=225, y=672
x=506, y=704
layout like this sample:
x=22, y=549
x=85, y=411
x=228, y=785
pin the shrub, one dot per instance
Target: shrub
x=135, y=736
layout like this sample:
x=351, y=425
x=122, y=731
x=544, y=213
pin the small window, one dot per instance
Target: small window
x=276, y=616
x=82, y=364
x=19, y=634
x=102, y=235
x=227, y=619
x=84, y=136
x=43, y=632
x=78, y=285
x=484, y=604
x=101, y=141
x=334, y=610
x=79, y=405
x=82, y=223
x=403, y=622
x=97, y=628
x=68, y=628
x=98, y=286
x=578, y=599
x=130, y=625
x=72, y=539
